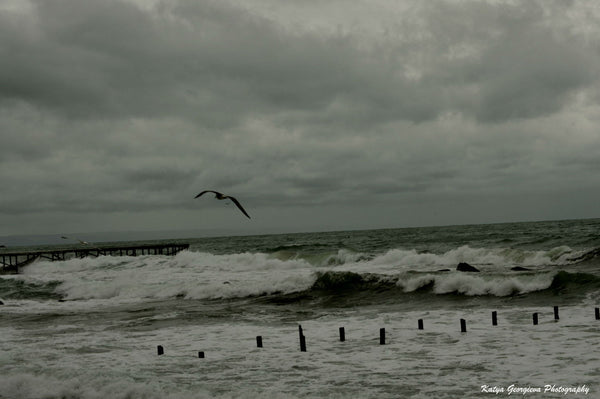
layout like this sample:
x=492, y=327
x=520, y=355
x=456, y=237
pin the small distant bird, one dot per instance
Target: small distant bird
x=220, y=196
x=74, y=238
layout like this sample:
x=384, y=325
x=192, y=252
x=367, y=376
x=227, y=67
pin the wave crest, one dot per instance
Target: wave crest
x=457, y=283
x=200, y=275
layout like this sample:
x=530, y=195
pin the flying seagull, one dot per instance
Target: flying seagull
x=75, y=238
x=220, y=196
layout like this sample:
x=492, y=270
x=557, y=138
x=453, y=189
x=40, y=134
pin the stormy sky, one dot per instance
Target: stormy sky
x=316, y=115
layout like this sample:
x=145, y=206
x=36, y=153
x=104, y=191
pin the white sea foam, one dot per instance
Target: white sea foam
x=396, y=260
x=103, y=344
x=469, y=284
x=477, y=285
x=30, y=386
x=439, y=361
x=194, y=275
x=200, y=275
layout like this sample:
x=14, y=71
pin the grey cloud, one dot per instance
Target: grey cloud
x=531, y=76
x=218, y=63
x=107, y=107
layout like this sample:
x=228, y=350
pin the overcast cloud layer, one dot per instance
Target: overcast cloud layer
x=317, y=115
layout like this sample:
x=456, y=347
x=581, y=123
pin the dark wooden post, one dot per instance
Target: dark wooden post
x=342, y=334
x=463, y=325
x=160, y=350
x=494, y=318
x=201, y=355
x=302, y=339
x=535, y=319
x=382, y=336
x=556, y=313
x=259, y=342
x=420, y=324
x=597, y=310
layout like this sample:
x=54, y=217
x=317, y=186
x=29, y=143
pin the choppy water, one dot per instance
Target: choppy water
x=89, y=328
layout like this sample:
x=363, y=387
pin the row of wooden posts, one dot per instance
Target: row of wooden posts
x=342, y=331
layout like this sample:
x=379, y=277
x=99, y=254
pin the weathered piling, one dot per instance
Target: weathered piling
x=556, y=313
x=494, y=318
x=201, y=355
x=259, y=341
x=382, y=336
x=535, y=319
x=463, y=325
x=302, y=343
x=597, y=310
x=160, y=350
x=342, y=334
x=302, y=339
x=420, y=324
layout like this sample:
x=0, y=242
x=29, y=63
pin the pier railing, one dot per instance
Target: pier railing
x=11, y=261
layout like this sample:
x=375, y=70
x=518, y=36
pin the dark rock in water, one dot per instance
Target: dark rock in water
x=519, y=269
x=1, y=303
x=465, y=267
x=339, y=281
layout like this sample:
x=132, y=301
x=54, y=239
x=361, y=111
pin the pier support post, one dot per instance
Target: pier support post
x=420, y=323
x=382, y=336
x=494, y=318
x=302, y=339
x=463, y=325
x=342, y=334
x=201, y=355
x=597, y=310
x=259, y=342
x=556, y=313
x=535, y=319
x=160, y=350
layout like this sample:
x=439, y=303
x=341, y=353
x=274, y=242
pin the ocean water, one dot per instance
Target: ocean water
x=89, y=328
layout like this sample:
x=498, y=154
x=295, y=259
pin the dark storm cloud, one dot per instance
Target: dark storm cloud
x=498, y=61
x=218, y=63
x=108, y=58
x=125, y=106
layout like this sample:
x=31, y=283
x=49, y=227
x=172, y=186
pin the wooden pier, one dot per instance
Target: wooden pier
x=12, y=261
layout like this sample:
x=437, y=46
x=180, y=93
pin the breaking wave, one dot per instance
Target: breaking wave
x=205, y=276
x=458, y=283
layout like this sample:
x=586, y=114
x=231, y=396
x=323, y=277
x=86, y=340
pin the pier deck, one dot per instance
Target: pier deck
x=11, y=261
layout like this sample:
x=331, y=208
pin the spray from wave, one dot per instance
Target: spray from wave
x=206, y=276
x=447, y=283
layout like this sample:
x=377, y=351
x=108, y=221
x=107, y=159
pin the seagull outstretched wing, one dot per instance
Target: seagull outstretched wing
x=210, y=191
x=237, y=203
x=221, y=196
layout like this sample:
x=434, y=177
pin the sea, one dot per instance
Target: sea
x=91, y=328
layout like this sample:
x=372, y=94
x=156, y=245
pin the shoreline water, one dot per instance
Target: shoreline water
x=89, y=328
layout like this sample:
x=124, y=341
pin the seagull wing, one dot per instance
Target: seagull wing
x=207, y=191
x=236, y=202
